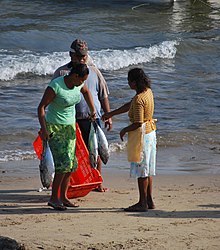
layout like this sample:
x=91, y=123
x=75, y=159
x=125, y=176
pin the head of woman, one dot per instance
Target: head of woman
x=138, y=80
x=79, y=73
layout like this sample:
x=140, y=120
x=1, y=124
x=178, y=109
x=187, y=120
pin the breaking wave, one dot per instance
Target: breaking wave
x=22, y=62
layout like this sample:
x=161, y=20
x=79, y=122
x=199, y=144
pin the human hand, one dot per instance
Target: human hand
x=106, y=116
x=122, y=133
x=44, y=135
x=92, y=116
x=108, y=124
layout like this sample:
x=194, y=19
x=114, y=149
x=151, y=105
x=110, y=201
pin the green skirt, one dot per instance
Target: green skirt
x=63, y=147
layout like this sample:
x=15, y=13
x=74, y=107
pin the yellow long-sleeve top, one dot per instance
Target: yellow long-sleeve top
x=142, y=110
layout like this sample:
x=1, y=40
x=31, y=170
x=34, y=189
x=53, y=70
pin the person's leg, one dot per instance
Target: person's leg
x=55, y=199
x=143, y=187
x=58, y=178
x=64, y=187
x=63, y=191
x=141, y=206
x=85, y=126
x=150, y=202
x=100, y=188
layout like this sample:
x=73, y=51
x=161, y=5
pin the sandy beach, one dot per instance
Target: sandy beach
x=187, y=214
x=177, y=46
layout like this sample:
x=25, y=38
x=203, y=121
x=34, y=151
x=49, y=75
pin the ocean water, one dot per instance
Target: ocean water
x=177, y=45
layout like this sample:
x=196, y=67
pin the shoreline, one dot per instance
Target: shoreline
x=180, y=160
x=187, y=214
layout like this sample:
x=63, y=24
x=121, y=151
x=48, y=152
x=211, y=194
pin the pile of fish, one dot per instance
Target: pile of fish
x=46, y=166
x=98, y=145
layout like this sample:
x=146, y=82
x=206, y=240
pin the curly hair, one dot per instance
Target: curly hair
x=138, y=76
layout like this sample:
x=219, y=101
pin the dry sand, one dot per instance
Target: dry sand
x=187, y=214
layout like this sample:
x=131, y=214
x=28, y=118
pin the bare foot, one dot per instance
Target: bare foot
x=136, y=208
x=150, y=203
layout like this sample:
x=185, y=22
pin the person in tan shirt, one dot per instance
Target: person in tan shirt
x=140, y=111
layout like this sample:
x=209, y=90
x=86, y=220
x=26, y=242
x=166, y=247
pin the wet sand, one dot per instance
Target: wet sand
x=187, y=214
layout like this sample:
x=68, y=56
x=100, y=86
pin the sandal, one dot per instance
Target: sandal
x=56, y=206
x=70, y=204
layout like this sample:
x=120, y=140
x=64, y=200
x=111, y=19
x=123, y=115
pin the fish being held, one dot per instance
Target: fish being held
x=102, y=143
x=93, y=147
x=46, y=166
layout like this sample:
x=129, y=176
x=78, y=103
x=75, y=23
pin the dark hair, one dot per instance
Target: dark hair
x=80, y=69
x=138, y=76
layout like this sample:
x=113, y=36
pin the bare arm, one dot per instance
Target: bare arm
x=103, y=97
x=129, y=128
x=47, y=98
x=89, y=100
x=106, y=108
x=121, y=110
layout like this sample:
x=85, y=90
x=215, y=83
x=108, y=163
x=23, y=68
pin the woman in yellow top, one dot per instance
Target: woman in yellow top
x=140, y=111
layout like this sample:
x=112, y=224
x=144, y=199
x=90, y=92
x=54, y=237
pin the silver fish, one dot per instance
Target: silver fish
x=46, y=166
x=93, y=147
x=102, y=143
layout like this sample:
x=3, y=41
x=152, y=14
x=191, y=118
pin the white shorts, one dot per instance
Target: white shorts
x=147, y=167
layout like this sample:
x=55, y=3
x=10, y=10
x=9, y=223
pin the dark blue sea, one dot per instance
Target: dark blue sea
x=178, y=46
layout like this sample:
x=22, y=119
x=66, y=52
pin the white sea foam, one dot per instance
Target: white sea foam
x=117, y=59
x=117, y=147
x=45, y=63
x=28, y=62
x=18, y=155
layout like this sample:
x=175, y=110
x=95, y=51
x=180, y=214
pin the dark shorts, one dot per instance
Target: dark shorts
x=85, y=125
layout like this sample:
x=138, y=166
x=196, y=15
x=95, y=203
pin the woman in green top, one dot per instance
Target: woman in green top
x=60, y=98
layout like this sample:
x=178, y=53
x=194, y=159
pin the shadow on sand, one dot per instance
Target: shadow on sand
x=30, y=202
